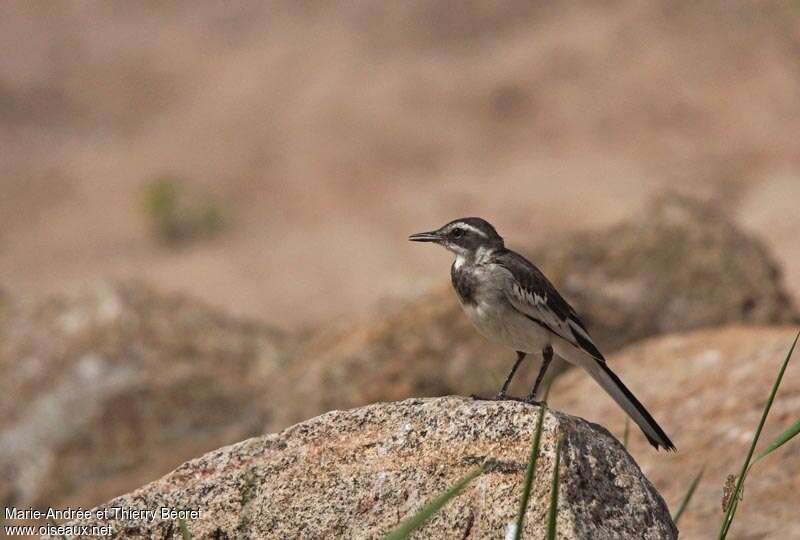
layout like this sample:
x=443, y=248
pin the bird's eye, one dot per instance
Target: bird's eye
x=458, y=233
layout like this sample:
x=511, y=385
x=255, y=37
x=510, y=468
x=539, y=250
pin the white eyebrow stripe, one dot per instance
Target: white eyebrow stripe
x=471, y=228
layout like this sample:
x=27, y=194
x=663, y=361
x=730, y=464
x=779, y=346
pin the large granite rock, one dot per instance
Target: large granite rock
x=707, y=389
x=356, y=474
x=110, y=386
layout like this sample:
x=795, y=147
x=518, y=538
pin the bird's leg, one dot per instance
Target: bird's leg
x=547, y=357
x=504, y=389
x=502, y=395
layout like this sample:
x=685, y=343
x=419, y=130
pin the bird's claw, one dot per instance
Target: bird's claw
x=499, y=397
x=505, y=397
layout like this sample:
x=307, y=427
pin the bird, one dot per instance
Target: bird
x=511, y=302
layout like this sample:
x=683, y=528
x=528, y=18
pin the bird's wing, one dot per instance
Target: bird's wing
x=532, y=294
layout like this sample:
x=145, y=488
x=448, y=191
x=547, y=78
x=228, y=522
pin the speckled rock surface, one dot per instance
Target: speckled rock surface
x=357, y=473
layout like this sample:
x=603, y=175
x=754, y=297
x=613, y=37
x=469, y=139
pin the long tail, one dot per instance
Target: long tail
x=625, y=399
x=606, y=378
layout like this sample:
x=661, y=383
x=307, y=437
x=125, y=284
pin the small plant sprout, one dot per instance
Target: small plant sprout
x=177, y=214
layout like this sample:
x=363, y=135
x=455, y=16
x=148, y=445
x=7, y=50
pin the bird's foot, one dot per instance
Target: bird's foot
x=530, y=401
x=505, y=397
x=499, y=397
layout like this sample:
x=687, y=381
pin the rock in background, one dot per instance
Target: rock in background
x=114, y=385
x=682, y=265
x=356, y=474
x=707, y=389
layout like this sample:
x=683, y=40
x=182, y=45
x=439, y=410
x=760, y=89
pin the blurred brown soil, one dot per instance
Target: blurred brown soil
x=332, y=130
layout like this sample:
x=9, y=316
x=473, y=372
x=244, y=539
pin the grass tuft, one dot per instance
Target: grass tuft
x=416, y=521
x=526, y=487
x=185, y=534
x=627, y=432
x=732, y=502
x=689, y=495
x=553, y=512
x=782, y=439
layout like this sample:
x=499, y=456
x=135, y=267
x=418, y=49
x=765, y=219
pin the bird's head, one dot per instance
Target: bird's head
x=466, y=237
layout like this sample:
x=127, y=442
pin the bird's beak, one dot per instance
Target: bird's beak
x=432, y=236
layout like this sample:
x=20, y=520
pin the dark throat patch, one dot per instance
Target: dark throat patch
x=464, y=283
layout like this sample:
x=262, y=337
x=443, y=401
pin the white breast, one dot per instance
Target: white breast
x=497, y=320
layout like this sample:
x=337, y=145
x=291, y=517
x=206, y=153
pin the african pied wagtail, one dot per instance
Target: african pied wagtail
x=511, y=302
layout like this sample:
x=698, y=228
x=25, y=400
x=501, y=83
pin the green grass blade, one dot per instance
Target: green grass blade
x=526, y=487
x=547, y=389
x=782, y=439
x=689, y=495
x=626, y=432
x=734, y=505
x=185, y=534
x=553, y=512
x=416, y=521
x=733, y=502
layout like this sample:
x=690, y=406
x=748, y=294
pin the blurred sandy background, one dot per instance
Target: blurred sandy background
x=321, y=134
x=328, y=131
